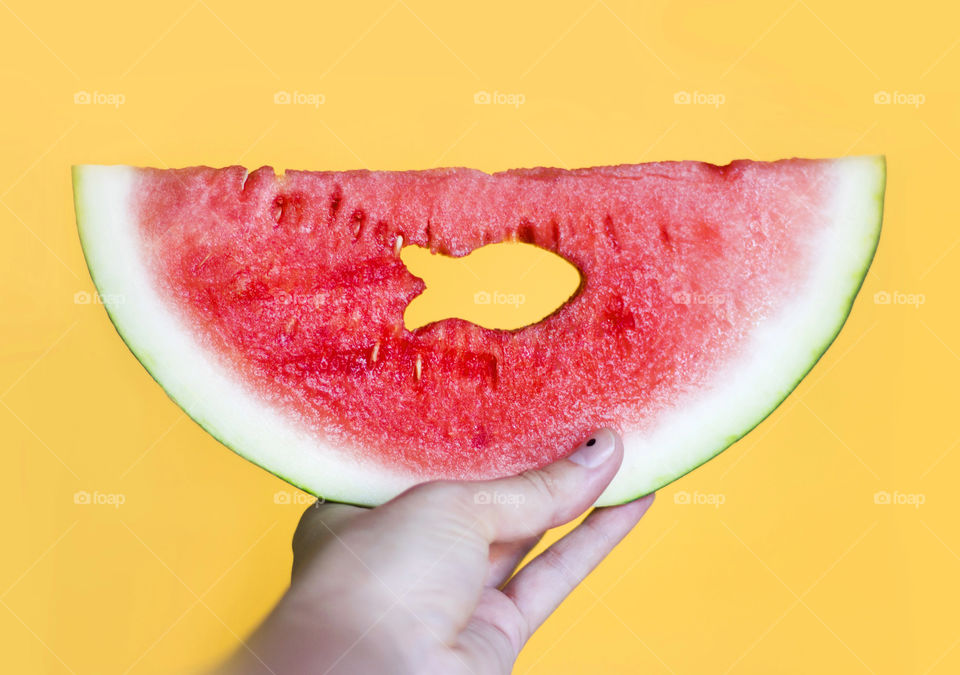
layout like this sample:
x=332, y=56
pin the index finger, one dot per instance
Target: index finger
x=518, y=507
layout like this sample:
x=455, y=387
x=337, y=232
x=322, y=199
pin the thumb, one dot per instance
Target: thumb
x=518, y=507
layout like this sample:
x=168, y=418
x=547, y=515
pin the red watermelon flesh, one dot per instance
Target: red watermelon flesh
x=708, y=291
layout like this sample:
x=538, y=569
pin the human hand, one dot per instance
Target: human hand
x=426, y=584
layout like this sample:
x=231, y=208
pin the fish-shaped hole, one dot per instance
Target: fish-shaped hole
x=504, y=286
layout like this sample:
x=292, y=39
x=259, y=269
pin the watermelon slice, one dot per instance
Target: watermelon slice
x=271, y=309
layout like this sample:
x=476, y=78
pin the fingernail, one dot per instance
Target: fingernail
x=595, y=450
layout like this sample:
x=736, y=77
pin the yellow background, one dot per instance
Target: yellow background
x=798, y=571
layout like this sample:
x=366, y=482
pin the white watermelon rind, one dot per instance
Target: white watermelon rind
x=208, y=392
x=693, y=432
x=856, y=212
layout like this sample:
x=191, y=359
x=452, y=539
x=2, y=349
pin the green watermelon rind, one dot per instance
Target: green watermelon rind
x=143, y=358
x=90, y=216
x=80, y=175
x=818, y=353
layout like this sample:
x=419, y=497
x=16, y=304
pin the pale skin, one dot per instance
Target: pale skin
x=428, y=582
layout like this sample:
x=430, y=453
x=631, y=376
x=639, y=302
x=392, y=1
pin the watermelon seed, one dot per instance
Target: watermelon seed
x=375, y=352
x=591, y=442
x=398, y=244
x=277, y=208
x=419, y=367
x=358, y=218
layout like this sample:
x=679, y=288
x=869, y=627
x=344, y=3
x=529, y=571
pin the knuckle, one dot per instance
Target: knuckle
x=318, y=523
x=605, y=541
x=542, y=484
x=438, y=493
x=554, y=565
x=507, y=633
x=445, y=501
x=507, y=641
x=306, y=528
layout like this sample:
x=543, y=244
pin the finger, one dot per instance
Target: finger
x=318, y=525
x=504, y=558
x=503, y=621
x=518, y=507
x=450, y=525
x=489, y=645
x=541, y=585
